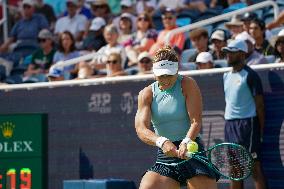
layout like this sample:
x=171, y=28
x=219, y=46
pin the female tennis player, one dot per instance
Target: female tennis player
x=173, y=105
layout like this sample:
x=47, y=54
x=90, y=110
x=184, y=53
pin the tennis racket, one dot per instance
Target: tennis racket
x=230, y=160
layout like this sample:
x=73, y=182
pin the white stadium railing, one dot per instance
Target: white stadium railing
x=132, y=78
x=223, y=17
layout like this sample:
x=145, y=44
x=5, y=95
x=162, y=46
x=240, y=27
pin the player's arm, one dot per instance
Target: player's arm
x=193, y=99
x=143, y=117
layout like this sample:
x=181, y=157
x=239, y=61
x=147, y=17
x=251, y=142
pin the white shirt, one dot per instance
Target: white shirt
x=75, y=24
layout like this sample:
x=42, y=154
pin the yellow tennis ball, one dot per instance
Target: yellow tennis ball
x=192, y=147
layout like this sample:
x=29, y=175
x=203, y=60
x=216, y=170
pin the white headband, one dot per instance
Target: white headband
x=165, y=67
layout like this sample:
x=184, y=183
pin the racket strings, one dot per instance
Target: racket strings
x=232, y=161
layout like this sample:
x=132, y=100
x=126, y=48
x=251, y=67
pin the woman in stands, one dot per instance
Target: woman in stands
x=279, y=47
x=67, y=50
x=173, y=105
x=143, y=39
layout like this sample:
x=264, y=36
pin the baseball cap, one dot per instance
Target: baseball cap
x=246, y=37
x=204, y=57
x=45, y=34
x=219, y=35
x=236, y=46
x=55, y=72
x=126, y=15
x=142, y=55
x=29, y=2
x=97, y=23
x=127, y=3
x=169, y=10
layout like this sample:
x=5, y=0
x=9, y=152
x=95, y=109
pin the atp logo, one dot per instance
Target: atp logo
x=100, y=102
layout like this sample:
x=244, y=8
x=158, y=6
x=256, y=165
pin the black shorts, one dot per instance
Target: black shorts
x=184, y=171
x=245, y=132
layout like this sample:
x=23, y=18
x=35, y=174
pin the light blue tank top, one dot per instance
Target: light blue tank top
x=169, y=114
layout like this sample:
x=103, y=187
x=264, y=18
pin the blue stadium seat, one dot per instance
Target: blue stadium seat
x=183, y=21
x=188, y=66
x=222, y=63
x=270, y=58
x=186, y=54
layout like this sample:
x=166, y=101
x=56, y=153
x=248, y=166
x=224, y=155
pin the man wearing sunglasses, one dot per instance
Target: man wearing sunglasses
x=145, y=63
x=169, y=22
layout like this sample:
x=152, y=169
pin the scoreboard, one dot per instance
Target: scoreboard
x=23, y=151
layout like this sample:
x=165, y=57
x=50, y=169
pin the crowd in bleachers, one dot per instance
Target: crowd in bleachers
x=126, y=34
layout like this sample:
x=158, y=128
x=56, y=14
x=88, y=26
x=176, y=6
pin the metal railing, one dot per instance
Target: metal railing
x=131, y=78
x=223, y=17
x=4, y=20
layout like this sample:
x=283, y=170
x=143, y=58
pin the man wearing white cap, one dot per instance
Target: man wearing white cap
x=244, y=111
x=252, y=57
x=218, y=40
x=204, y=60
x=95, y=38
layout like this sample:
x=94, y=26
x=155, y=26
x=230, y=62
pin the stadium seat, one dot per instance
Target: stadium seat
x=183, y=21
x=188, y=66
x=222, y=63
x=186, y=54
x=270, y=58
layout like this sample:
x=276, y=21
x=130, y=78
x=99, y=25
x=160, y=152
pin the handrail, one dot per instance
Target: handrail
x=222, y=17
x=99, y=81
x=4, y=19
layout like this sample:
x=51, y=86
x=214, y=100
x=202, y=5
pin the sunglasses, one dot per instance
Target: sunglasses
x=111, y=61
x=143, y=19
x=41, y=40
x=167, y=17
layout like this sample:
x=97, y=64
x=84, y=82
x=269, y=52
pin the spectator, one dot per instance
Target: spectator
x=42, y=58
x=235, y=26
x=204, y=60
x=199, y=38
x=279, y=46
x=114, y=65
x=111, y=37
x=126, y=7
x=73, y=22
x=252, y=57
x=100, y=8
x=277, y=22
x=47, y=11
x=247, y=18
x=145, y=63
x=83, y=10
x=125, y=28
x=257, y=31
x=218, y=40
x=169, y=22
x=26, y=30
x=95, y=38
x=55, y=74
x=244, y=112
x=143, y=39
x=66, y=50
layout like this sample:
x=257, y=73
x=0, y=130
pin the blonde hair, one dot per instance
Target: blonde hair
x=116, y=56
x=166, y=53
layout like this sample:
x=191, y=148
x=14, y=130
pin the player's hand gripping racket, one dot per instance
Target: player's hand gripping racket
x=230, y=160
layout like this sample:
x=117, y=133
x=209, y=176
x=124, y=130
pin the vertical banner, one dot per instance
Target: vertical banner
x=22, y=151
